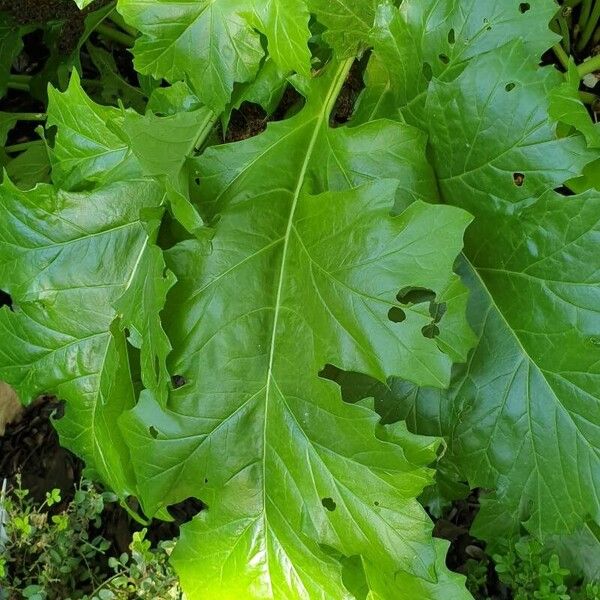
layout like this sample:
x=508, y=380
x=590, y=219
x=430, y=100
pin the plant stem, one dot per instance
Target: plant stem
x=118, y=20
x=589, y=66
x=590, y=99
x=117, y=36
x=586, y=9
x=19, y=82
x=20, y=147
x=561, y=55
x=21, y=87
x=590, y=26
x=30, y=116
x=133, y=514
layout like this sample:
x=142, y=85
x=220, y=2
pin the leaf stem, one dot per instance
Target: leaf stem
x=30, y=116
x=590, y=26
x=561, y=55
x=21, y=87
x=586, y=9
x=117, y=36
x=589, y=66
x=20, y=147
x=590, y=99
x=133, y=514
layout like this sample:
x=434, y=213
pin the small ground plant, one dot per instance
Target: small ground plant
x=50, y=552
x=297, y=261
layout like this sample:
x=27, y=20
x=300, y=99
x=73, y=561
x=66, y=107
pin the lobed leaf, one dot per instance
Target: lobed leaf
x=522, y=416
x=65, y=259
x=293, y=277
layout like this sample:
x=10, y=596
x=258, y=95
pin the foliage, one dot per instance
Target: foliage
x=51, y=552
x=205, y=308
x=529, y=571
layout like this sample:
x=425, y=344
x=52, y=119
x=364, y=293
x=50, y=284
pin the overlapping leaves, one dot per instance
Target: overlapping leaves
x=215, y=44
x=526, y=407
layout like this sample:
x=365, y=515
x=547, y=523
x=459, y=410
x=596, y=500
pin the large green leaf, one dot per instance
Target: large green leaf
x=65, y=259
x=216, y=43
x=292, y=277
x=523, y=416
x=428, y=39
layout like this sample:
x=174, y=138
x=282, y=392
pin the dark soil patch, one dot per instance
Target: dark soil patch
x=31, y=447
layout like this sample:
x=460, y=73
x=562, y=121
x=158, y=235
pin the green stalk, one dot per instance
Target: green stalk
x=564, y=32
x=589, y=66
x=118, y=20
x=20, y=147
x=117, y=36
x=571, y=3
x=21, y=87
x=19, y=82
x=590, y=26
x=30, y=116
x=586, y=9
x=561, y=55
x=590, y=99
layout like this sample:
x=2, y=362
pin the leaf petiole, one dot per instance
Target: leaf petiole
x=589, y=66
x=592, y=22
x=115, y=35
x=20, y=147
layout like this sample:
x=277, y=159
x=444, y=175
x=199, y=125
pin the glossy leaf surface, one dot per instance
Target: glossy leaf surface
x=293, y=277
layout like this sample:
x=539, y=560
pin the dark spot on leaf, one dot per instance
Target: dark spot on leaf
x=396, y=315
x=178, y=381
x=451, y=37
x=509, y=87
x=376, y=503
x=427, y=71
x=430, y=331
x=206, y=480
x=413, y=295
x=6, y=300
x=185, y=511
x=563, y=190
x=329, y=504
x=524, y=7
x=197, y=180
x=444, y=58
x=519, y=179
x=153, y=431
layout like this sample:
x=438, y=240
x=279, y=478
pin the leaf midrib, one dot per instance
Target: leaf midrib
x=332, y=94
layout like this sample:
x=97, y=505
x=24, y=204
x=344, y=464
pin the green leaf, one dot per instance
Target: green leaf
x=531, y=248
x=100, y=144
x=566, y=106
x=348, y=23
x=216, y=44
x=522, y=417
x=85, y=149
x=429, y=39
x=111, y=87
x=30, y=167
x=293, y=277
x=81, y=4
x=140, y=307
x=65, y=259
